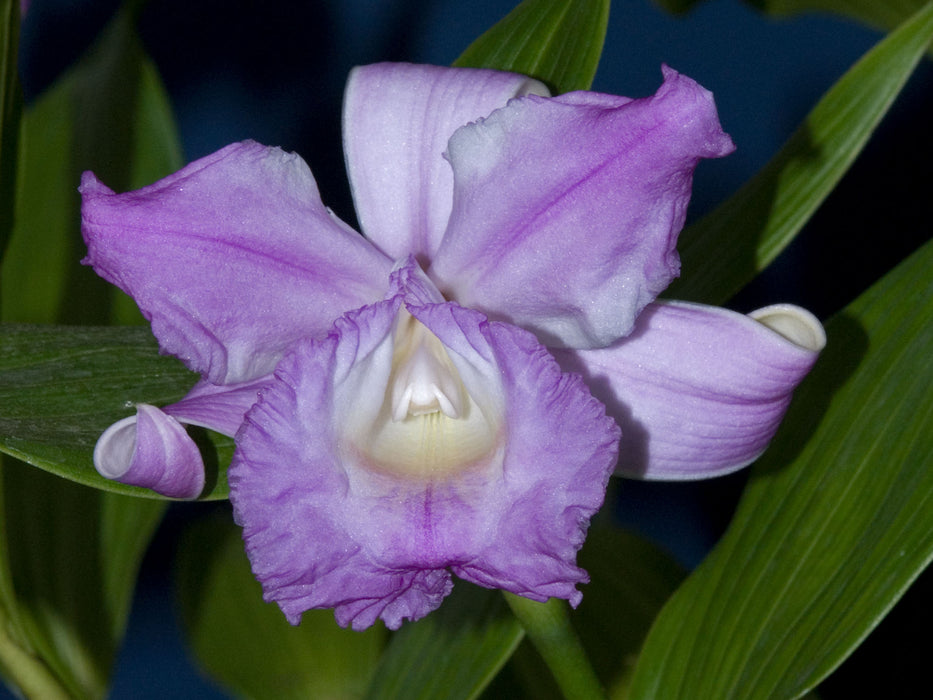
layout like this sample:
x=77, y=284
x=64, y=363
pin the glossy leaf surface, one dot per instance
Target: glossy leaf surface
x=467, y=641
x=558, y=42
x=835, y=524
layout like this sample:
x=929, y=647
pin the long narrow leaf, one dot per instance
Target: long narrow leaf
x=109, y=113
x=10, y=107
x=467, y=641
x=74, y=551
x=559, y=42
x=726, y=249
x=885, y=14
x=10, y=104
x=74, y=555
x=836, y=523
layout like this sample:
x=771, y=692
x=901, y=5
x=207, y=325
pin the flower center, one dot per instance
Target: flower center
x=423, y=380
x=429, y=426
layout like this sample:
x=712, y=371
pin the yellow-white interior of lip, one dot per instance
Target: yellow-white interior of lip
x=428, y=423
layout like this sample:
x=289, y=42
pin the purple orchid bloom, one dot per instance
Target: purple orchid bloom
x=414, y=399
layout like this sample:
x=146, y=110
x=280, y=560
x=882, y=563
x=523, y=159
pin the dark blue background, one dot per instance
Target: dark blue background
x=274, y=72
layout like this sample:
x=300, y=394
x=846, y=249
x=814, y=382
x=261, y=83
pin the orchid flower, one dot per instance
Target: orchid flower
x=443, y=394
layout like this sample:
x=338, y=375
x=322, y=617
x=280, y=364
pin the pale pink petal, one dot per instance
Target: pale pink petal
x=567, y=210
x=697, y=390
x=397, y=119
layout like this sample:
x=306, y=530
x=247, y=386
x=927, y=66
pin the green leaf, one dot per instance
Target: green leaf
x=62, y=386
x=10, y=107
x=882, y=14
x=835, y=524
x=19, y=664
x=246, y=644
x=556, y=41
x=74, y=556
x=109, y=114
x=44, y=243
x=630, y=581
x=71, y=553
x=12, y=657
x=451, y=654
x=726, y=249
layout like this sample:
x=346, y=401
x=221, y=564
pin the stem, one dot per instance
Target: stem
x=548, y=627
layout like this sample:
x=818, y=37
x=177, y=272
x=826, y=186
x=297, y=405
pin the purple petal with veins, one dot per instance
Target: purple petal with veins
x=577, y=239
x=699, y=391
x=233, y=259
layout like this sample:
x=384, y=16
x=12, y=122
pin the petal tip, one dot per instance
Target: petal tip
x=794, y=324
x=701, y=105
x=152, y=450
x=113, y=453
x=91, y=185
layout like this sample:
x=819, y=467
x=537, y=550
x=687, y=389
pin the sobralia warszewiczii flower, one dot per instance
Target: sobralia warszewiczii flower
x=444, y=395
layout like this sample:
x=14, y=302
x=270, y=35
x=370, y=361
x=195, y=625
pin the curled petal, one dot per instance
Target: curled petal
x=699, y=391
x=397, y=119
x=566, y=210
x=152, y=449
x=232, y=258
x=496, y=483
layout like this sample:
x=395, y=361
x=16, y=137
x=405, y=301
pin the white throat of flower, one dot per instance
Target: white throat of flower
x=429, y=424
x=423, y=379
